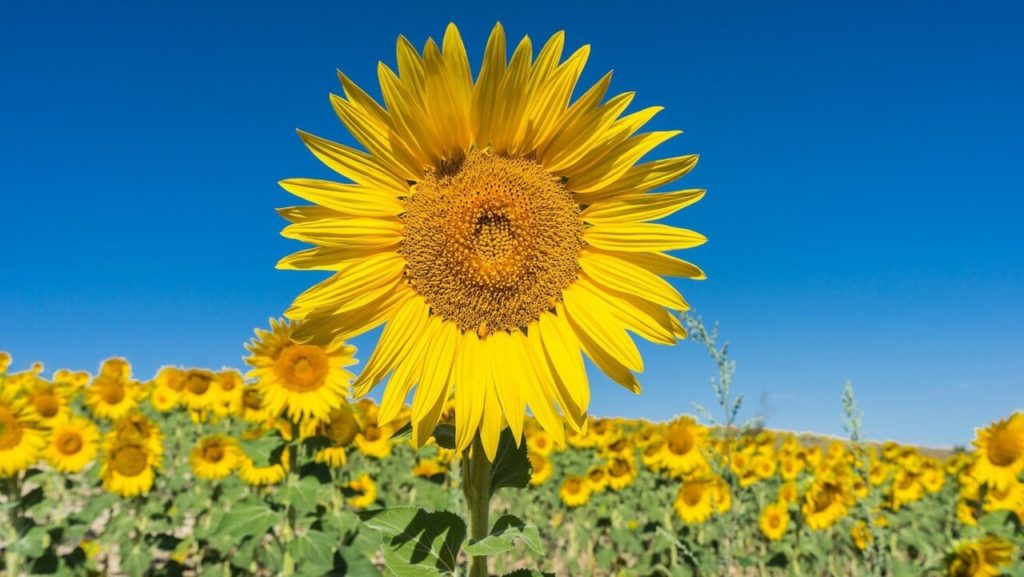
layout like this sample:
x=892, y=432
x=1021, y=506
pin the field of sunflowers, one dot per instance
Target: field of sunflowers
x=199, y=472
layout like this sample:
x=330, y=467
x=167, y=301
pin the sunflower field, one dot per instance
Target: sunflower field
x=199, y=472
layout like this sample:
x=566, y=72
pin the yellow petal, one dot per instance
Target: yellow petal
x=398, y=335
x=623, y=276
x=353, y=286
x=618, y=161
x=648, y=320
x=349, y=162
x=432, y=391
x=470, y=390
x=647, y=176
x=591, y=315
x=379, y=233
x=640, y=207
x=486, y=91
x=507, y=363
x=658, y=263
x=643, y=237
x=538, y=386
x=567, y=368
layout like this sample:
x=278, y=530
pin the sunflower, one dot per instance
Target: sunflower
x=229, y=388
x=694, y=502
x=340, y=430
x=825, y=503
x=373, y=441
x=45, y=403
x=300, y=380
x=621, y=472
x=5, y=361
x=1008, y=498
x=167, y=389
x=774, y=520
x=861, y=535
x=20, y=441
x=431, y=468
x=270, y=474
x=574, y=491
x=116, y=368
x=540, y=467
x=491, y=225
x=790, y=467
x=198, y=393
x=980, y=558
x=906, y=488
x=164, y=400
x=788, y=492
x=539, y=442
x=253, y=409
x=764, y=466
x=128, y=467
x=73, y=444
x=999, y=458
x=597, y=478
x=364, y=491
x=138, y=428
x=111, y=397
x=214, y=457
x=681, y=451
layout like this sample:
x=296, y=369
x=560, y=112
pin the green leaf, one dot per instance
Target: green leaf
x=33, y=543
x=314, y=551
x=503, y=535
x=135, y=559
x=263, y=450
x=248, y=518
x=528, y=573
x=418, y=543
x=300, y=493
x=511, y=466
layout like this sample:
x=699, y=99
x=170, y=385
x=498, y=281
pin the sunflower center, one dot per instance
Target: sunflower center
x=692, y=494
x=10, y=430
x=774, y=521
x=302, y=368
x=197, y=383
x=213, y=452
x=129, y=460
x=491, y=242
x=1005, y=447
x=573, y=486
x=372, y=433
x=596, y=475
x=342, y=428
x=618, y=468
x=46, y=405
x=680, y=440
x=112, y=392
x=251, y=400
x=69, y=443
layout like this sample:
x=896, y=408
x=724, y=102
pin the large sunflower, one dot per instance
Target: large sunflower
x=73, y=444
x=21, y=442
x=497, y=229
x=999, y=459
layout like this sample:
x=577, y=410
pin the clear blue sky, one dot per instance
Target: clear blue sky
x=863, y=162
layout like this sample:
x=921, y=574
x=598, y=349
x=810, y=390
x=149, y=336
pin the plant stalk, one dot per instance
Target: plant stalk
x=476, y=486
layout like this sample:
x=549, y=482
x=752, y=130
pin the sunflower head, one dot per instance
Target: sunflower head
x=999, y=458
x=73, y=445
x=774, y=520
x=214, y=457
x=128, y=467
x=575, y=491
x=491, y=222
x=979, y=558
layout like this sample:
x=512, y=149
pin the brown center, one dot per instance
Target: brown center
x=129, y=460
x=302, y=368
x=69, y=442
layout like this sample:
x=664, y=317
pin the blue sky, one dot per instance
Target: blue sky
x=862, y=161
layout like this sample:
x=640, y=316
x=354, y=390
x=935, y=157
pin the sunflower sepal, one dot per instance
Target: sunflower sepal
x=511, y=467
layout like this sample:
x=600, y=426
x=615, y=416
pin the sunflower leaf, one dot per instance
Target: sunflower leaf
x=507, y=529
x=511, y=465
x=418, y=543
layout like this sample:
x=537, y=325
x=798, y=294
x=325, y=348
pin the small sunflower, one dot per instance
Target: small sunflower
x=128, y=467
x=541, y=468
x=73, y=444
x=788, y=492
x=111, y=397
x=298, y=379
x=198, y=393
x=999, y=458
x=167, y=389
x=340, y=430
x=774, y=520
x=621, y=472
x=229, y=386
x=546, y=251
x=374, y=441
x=430, y=469
x=574, y=491
x=906, y=488
x=214, y=457
x=21, y=443
x=138, y=428
x=694, y=502
x=681, y=451
x=979, y=558
x=597, y=478
x=270, y=474
x=540, y=442
x=45, y=403
x=825, y=503
x=861, y=535
x=364, y=491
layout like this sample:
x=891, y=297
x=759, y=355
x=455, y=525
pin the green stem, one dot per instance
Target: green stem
x=13, y=490
x=476, y=486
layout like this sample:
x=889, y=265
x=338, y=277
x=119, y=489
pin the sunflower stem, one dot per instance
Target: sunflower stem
x=13, y=490
x=476, y=486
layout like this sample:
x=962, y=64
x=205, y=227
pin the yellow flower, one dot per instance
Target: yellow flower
x=340, y=430
x=597, y=478
x=138, y=428
x=621, y=472
x=5, y=361
x=574, y=491
x=790, y=467
x=111, y=397
x=861, y=535
x=541, y=467
x=128, y=467
x=764, y=466
x=545, y=249
x=539, y=442
x=694, y=502
x=965, y=514
x=878, y=474
x=20, y=441
x=788, y=493
x=230, y=388
x=270, y=474
x=429, y=468
x=214, y=457
x=374, y=441
x=73, y=445
x=681, y=451
x=164, y=400
x=198, y=393
x=365, y=490
x=1007, y=498
x=774, y=520
x=300, y=380
x=45, y=404
x=906, y=488
x=825, y=503
x=979, y=558
x=999, y=458
x=117, y=369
